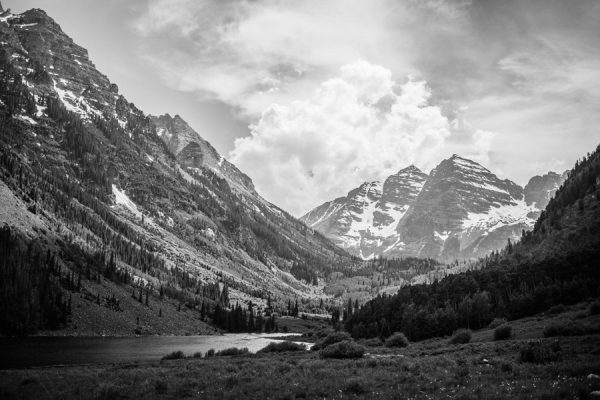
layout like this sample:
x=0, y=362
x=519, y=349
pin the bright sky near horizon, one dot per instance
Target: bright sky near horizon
x=311, y=98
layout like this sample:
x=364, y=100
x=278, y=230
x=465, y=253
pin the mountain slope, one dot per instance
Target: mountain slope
x=460, y=210
x=100, y=181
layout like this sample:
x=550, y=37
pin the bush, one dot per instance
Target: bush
x=330, y=339
x=496, y=323
x=461, y=336
x=503, y=332
x=539, y=353
x=557, y=309
x=109, y=391
x=233, y=351
x=345, y=349
x=160, y=386
x=356, y=386
x=197, y=354
x=176, y=355
x=373, y=342
x=275, y=347
x=506, y=367
x=595, y=308
x=570, y=329
x=210, y=353
x=397, y=340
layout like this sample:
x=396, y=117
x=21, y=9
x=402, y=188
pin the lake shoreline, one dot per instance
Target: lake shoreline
x=39, y=351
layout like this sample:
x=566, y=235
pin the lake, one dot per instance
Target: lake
x=45, y=351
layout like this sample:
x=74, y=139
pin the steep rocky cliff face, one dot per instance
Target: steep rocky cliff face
x=540, y=189
x=460, y=210
x=192, y=151
x=463, y=211
x=366, y=219
x=145, y=200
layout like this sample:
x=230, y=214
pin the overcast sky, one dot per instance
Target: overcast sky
x=310, y=98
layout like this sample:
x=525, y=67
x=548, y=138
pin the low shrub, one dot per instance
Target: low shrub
x=539, y=352
x=160, y=386
x=109, y=391
x=397, y=340
x=595, y=308
x=321, y=333
x=330, y=339
x=344, y=349
x=373, y=342
x=506, y=367
x=197, y=354
x=176, y=355
x=278, y=347
x=557, y=309
x=571, y=328
x=503, y=332
x=496, y=323
x=232, y=351
x=461, y=336
x=581, y=314
x=356, y=386
x=210, y=353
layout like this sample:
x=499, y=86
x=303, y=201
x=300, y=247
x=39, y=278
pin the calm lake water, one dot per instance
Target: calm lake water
x=44, y=351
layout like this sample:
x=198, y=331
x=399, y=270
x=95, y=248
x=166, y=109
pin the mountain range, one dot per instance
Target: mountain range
x=460, y=210
x=142, y=200
x=116, y=221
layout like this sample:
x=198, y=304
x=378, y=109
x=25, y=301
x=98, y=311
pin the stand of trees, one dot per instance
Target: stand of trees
x=240, y=320
x=31, y=296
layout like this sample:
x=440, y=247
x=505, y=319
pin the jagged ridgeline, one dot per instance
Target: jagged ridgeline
x=460, y=210
x=107, y=208
x=558, y=262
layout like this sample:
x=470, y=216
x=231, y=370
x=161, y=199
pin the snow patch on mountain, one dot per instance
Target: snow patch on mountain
x=73, y=102
x=123, y=199
x=500, y=215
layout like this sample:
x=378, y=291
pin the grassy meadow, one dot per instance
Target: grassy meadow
x=533, y=362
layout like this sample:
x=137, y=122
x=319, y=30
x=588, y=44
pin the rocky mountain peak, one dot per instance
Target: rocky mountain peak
x=402, y=188
x=55, y=66
x=194, y=152
x=460, y=210
x=540, y=189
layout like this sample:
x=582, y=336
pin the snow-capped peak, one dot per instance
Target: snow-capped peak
x=460, y=210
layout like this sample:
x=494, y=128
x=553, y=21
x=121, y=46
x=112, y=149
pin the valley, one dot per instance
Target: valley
x=482, y=368
x=143, y=263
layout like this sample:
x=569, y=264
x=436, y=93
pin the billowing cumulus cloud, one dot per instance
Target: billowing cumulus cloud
x=358, y=126
x=252, y=54
x=525, y=74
